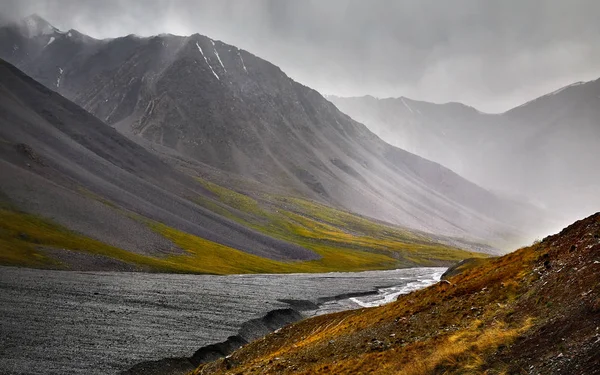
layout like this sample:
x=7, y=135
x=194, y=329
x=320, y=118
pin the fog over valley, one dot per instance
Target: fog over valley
x=487, y=54
x=299, y=187
x=482, y=54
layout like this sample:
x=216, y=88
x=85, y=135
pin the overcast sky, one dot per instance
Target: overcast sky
x=490, y=54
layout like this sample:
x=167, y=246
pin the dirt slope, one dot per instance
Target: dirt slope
x=534, y=311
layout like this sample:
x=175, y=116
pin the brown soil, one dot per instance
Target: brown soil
x=534, y=311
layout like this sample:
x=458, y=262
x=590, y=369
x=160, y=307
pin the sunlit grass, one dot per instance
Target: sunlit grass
x=448, y=328
x=463, y=352
x=209, y=257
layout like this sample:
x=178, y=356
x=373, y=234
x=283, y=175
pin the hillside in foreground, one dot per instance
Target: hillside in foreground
x=533, y=311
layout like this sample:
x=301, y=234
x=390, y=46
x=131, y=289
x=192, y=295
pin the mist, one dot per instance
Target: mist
x=488, y=54
x=492, y=56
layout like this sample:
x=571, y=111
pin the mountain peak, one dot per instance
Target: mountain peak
x=578, y=83
x=550, y=95
x=34, y=25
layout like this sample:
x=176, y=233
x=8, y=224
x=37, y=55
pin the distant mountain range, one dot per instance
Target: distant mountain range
x=546, y=151
x=212, y=109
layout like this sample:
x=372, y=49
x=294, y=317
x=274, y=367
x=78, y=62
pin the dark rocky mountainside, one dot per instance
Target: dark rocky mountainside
x=545, y=151
x=58, y=161
x=77, y=194
x=231, y=111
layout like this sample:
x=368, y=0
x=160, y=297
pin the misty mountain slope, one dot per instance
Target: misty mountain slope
x=563, y=128
x=236, y=112
x=546, y=150
x=77, y=194
x=418, y=127
x=60, y=162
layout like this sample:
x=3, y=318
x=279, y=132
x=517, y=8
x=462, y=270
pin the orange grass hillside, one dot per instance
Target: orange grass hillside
x=534, y=311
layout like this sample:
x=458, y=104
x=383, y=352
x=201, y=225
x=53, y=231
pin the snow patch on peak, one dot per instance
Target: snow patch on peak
x=52, y=39
x=206, y=60
x=60, y=73
x=406, y=105
x=566, y=87
x=242, y=60
x=218, y=57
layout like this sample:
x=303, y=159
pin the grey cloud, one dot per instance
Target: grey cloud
x=490, y=54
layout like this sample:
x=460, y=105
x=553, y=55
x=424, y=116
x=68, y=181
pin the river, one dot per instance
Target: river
x=66, y=322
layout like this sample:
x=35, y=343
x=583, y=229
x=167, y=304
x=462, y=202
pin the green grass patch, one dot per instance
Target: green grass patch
x=344, y=241
x=22, y=234
x=323, y=229
x=232, y=198
x=209, y=257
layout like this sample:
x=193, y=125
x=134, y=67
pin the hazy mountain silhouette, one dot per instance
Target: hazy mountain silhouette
x=546, y=150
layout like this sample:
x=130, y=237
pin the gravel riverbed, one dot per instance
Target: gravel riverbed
x=66, y=322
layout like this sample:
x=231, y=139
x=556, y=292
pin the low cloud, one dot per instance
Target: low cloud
x=493, y=55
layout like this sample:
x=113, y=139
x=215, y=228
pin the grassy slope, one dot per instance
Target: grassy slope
x=328, y=230
x=536, y=310
x=344, y=241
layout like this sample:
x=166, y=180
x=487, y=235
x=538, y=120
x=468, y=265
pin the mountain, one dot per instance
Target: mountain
x=437, y=132
x=220, y=107
x=76, y=194
x=507, y=315
x=544, y=151
x=60, y=162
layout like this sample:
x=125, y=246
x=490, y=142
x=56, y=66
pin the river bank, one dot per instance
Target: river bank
x=57, y=322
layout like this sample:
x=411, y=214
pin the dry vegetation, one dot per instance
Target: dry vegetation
x=534, y=311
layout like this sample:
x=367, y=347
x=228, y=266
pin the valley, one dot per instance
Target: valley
x=174, y=204
x=250, y=121
x=73, y=183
